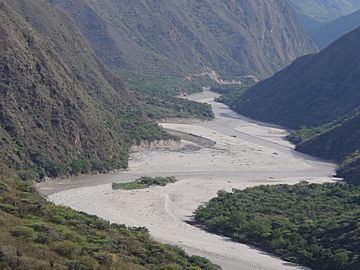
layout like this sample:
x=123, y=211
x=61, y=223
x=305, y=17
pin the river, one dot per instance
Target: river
x=243, y=153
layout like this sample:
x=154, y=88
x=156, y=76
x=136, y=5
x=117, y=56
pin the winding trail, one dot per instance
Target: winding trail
x=236, y=153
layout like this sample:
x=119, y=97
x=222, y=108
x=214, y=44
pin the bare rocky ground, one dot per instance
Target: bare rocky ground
x=229, y=152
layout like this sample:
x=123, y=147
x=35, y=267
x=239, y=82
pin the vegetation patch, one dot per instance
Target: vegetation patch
x=37, y=235
x=350, y=168
x=337, y=140
x=310, y=224
x=144, y=182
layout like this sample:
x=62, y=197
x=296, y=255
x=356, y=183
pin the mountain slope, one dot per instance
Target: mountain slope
x=58, y=102
x=314, y=90
x=337, y=141
x=309, y=24
x=343, y=136
x=177, y=38
x=325, y=10
x=319, y=91
x=330, y=32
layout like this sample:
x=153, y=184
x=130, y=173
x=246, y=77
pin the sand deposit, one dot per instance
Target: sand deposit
x=245, y=153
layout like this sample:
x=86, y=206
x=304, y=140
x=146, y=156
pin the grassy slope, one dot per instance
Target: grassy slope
x=315, y=225
x=36, y=235
x=338, y=141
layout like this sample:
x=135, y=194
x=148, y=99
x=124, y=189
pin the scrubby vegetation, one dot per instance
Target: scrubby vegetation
x=338, y=140
x=37, y=235
x=350, y=168
x=166, y=107
x=144, y=182
x=229, y=93
x=311, y=224
x=158, y=95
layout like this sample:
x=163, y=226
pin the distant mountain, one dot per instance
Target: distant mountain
x=320, y=91
x=58, y=103
x=325, y=10
x=315, y=89
x=330, y=32
x=177, y=38
x=309, y=24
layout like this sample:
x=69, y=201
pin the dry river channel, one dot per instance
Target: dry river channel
x=229, y=152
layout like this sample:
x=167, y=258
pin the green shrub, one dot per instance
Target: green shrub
x=99, y=166
x=42, y=238
x=23, y=232
x=28, y=174
x=311, y=224
x=67, y=248
x=82, y=265
x=80, y=167
x=144, y=182
x=57, y=219
x=105, y=258
x=55, y=169
x=3, y=187
x=9, y=208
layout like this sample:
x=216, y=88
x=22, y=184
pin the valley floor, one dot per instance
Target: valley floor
x=246, y=153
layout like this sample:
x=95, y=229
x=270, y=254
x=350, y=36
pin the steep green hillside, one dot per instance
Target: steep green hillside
x=58, y=102
x=315, y=225
x=62, y=112
x=330, y=32
x=331, y=141
x=177, y=38
x=338, y=141
x=314, y=90
x=350, y=168
x=36, y=235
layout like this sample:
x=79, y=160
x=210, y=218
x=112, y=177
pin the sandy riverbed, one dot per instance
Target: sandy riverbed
x=246, y=153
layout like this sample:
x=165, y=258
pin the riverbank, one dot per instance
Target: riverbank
x=243, y=153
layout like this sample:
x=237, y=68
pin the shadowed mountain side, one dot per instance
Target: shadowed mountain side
x=314, y=90
x=325, y=10
x=330, y=32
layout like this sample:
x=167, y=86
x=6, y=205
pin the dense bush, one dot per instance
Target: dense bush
x=144, y=182
x=80, y=167
x=23, y=232
x=315, y=225
x=350, y=168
